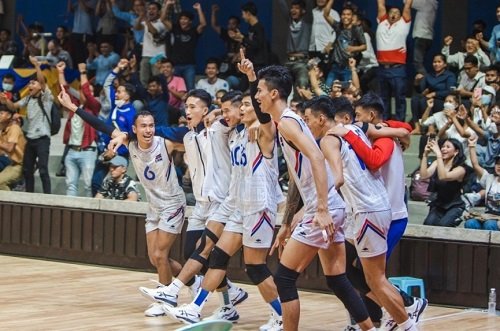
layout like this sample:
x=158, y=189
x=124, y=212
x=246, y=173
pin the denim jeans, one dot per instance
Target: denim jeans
x=393, y=84
x=79, y=163
x=490, y=225
x=341, y=73
x=36, y=153
x=188, y=72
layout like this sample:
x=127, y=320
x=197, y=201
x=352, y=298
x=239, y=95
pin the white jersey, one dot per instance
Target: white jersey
x=394, y=180
x=218, y=165
x=156, y=172
x=364, y=190
x=196, y=146
x=256, y=176
x=300, y=169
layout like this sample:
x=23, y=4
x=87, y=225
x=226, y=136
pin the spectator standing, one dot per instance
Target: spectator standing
x=494, y=42
x=83, y=11
x=12, y=143
x=297, y=41
x=7, y=45
x=37, y=127
x=102, y=62
x=184, y=40
x=106, y=27
x=212, y=83
x=80, y=137
x=138, y=10
x=470, y=78
x=322, y=32
x=176, y=86
x=423, y=31
x=447, y=175
x=117, y=185
x=392, y=30
x=471, y=48
x=349, y=43
x=56, y=54
x=153, y=43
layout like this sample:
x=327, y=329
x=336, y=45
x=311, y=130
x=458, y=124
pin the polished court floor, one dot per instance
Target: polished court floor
x=47, y=295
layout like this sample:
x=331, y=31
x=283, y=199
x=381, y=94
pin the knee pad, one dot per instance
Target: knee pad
x=344, y=290
x=257, y=272
x=218, y=259
x=192, y=238
x=201, y=247
x=285, y=280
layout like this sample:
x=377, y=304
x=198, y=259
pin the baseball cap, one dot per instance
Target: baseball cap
x=118, y=161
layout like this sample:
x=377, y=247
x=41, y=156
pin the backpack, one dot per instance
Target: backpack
x=55, y=117
x=419, y=187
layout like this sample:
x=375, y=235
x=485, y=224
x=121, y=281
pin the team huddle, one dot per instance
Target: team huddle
x=346, y=166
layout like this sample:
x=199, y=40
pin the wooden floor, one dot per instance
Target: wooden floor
x=46, y=295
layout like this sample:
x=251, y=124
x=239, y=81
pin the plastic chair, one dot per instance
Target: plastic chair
x=406, y=283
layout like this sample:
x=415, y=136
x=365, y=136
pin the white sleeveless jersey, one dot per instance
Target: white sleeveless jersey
x=363, y=190
x=394, y=180
x=256, y=175
x=196, y=146
x=300, y=168
x=218, y=165
x=157, y=175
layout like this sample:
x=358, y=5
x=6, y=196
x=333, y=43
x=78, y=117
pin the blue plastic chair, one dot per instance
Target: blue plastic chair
x=406, y=283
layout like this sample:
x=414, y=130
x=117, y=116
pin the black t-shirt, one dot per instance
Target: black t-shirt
x=232, y=46
x=256, y=45
x=183, y=49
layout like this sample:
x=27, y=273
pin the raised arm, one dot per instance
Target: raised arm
x=407, y=10
x=201, y=17
x=473, y=157
x=213, y=19
x=39, y=75
x=165, y=16
x=61, y=66
x=444, y=174
x=326, y=12
x=381, y=11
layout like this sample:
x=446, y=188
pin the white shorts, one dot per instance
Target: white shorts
x=308, y=233
x=199, y=217
x=168, y=220
x=257, y=229
x=221, y=213
x=371, y=232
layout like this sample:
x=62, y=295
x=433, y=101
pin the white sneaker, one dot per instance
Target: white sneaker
x=195, y=287
x=237, y=295
x=417, y=309
x=387, y=323
x=185, y=313
x=277, y=325
x=159, y=294
x=268, y=325
x=227, y=313
x=352, y=327
x=154, y=310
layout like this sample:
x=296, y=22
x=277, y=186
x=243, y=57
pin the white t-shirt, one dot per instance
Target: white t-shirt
x=219, y=84
x=149, y=47
x=322, y=33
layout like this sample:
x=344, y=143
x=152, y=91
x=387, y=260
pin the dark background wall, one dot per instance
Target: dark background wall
x=454, y=17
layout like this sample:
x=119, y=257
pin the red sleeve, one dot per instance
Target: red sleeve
x=398, y=125
x=92, y=102
x=373, y=157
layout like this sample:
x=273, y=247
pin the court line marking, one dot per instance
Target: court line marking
x=451, y=315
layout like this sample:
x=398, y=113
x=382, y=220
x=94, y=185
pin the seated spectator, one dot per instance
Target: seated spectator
x=12, y=143
x=492, y=78
x=33, y=41
x=486, y=153
x=155, y=99
x=176, y=86
x=184, y=40
x=56, y=54
x=8, y=84
x=212, y=83
x=7, y=45
x=317, y=80
x=494, y=42
x=447, y=175
x=218, y=97
x=435, y=85
x=102, y=62
x=480, y=108
x=471, y=48
x=117, y=185
x=470, y=78
x=491, y=183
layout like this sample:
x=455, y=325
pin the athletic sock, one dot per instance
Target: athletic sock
x=276, y=306
x=224, y=298
x=174, y=287
x=201, y=298
x=408, y=325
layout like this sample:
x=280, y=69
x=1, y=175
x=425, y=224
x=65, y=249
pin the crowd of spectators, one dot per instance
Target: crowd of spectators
x=134, y=55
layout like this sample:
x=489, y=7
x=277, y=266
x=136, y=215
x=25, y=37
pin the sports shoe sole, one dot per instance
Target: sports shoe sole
x=153, y=298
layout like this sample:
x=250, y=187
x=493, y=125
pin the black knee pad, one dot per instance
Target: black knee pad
x=257, y=272
x=218, y=259
x=190, y=242
x=203, y=242
x=285, y=280
x=344, y=290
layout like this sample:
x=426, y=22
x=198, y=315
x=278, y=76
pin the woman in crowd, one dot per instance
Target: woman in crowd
x=447, y=175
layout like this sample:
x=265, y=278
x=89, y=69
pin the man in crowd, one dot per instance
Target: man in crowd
x=117, y=185
x=12, y=143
